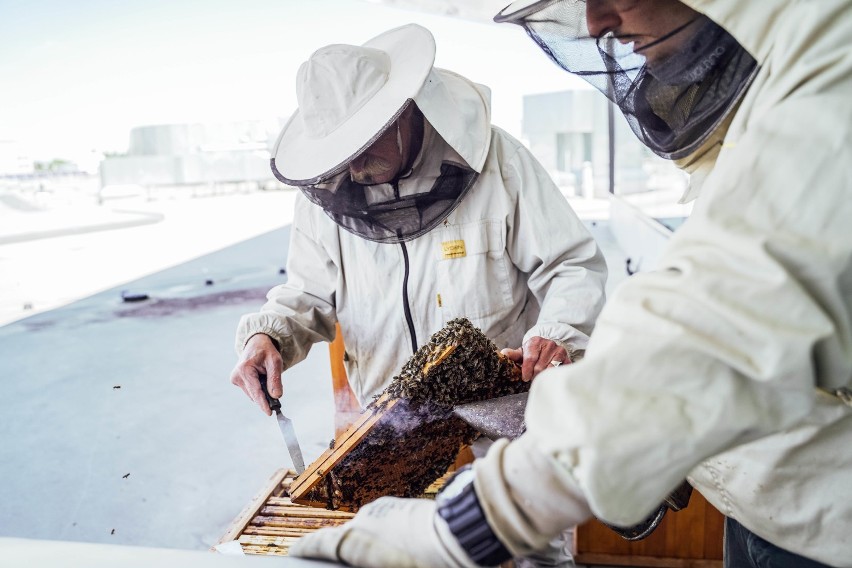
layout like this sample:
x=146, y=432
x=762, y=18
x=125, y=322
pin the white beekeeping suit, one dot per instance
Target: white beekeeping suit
x=717, y=365
x=475, y=229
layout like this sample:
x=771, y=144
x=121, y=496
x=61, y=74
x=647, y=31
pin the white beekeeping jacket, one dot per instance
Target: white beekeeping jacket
x=512, y=257
x=709, y=366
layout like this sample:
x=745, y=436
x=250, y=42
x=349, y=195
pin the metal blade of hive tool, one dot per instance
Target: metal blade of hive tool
x=286, y=426
x=501, y=417
x=289, y=433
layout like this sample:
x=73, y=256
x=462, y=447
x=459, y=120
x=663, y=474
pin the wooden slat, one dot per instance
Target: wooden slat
x=265, y=550
x=295, y=521
x=286, y=531
x=279, y=531
x=346, y=407
x=255, y=505
x=271, y=522
x=268, y=540
x=300, y=525
x=302, y=511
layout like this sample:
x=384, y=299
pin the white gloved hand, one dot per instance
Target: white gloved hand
x=388, y=533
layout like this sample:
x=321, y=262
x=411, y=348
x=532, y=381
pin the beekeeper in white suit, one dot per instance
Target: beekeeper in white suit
x=415, y=211
x=730, y=364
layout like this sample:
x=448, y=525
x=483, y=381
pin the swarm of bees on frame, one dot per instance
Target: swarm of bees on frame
x=458, y=365
x=417, y=440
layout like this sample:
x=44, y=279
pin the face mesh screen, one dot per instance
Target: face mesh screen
x=674, y=91
x=393, y=218
x=383, y=213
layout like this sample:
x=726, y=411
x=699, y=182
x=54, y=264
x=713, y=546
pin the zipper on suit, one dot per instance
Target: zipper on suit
x=405, y=303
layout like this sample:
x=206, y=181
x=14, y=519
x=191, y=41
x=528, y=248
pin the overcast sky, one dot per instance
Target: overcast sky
x=77, y=76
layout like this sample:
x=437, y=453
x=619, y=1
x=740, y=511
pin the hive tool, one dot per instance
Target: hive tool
x=501, y=417
x=286, y=426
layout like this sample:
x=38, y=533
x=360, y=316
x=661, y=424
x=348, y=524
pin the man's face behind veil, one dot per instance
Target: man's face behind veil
x=641, y=22
x=384, y=160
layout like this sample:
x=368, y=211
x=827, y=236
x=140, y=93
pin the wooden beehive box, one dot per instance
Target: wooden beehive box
x=409, y=437
x=690, y=538
x=271, y=522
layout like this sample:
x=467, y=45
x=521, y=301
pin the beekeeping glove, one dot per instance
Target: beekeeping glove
x=388, y=533
x=527, y=494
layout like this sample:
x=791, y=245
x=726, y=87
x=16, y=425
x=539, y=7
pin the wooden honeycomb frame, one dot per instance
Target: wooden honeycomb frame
x=409, y=437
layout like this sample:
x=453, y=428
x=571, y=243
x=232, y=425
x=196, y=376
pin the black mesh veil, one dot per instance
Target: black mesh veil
x=401, y=210
x=393, y=218
x=674, y=91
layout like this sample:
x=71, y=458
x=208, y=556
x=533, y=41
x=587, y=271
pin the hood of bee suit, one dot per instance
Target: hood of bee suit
x=675, y=90
x=794, y=43
x=750, y=23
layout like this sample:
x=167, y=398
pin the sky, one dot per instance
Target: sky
x=77, y=76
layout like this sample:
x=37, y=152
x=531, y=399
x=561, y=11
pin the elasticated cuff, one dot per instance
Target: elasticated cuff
x=528, y=497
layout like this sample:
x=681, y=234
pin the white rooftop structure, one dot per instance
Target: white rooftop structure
x=193, y=154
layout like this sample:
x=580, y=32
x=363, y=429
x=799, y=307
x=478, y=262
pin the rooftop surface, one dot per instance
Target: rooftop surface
x=119, y=423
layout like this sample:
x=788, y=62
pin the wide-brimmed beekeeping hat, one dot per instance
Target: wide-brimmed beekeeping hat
x=347, y=96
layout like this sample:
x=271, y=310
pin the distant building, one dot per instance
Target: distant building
x=14, y=161
x=193, y=154
x=568, y=131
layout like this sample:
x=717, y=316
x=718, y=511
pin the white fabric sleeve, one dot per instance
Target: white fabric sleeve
x=527, y=497
x=567, y=271
x=302, y=311
x=727, y=340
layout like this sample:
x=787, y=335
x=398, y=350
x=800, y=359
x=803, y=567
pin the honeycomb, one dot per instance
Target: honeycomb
x=408, y=436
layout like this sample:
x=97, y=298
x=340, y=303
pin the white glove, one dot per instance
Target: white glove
x=527, y=495
x=388, y=533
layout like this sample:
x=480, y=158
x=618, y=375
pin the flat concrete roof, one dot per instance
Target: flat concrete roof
x=120, y=424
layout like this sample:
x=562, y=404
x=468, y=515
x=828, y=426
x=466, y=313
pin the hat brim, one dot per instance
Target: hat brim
x=300, y=159
x=520, y=9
